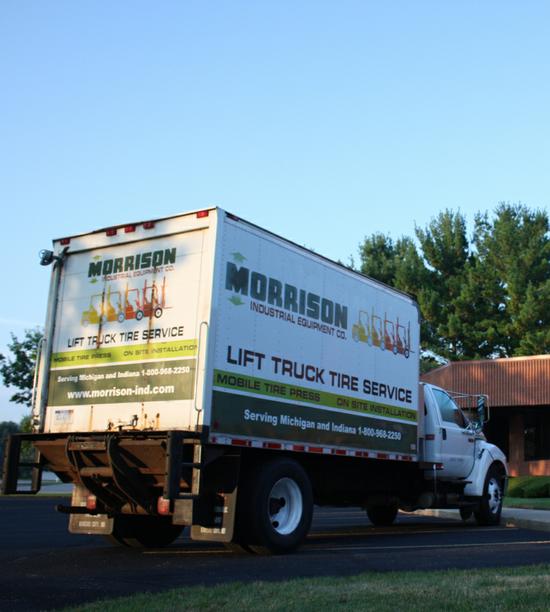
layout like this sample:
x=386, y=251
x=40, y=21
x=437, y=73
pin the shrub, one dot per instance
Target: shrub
x=516, y=485
x=537, y=487
x=529, y=486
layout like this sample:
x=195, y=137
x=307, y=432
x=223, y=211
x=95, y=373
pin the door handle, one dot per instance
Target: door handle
x=443, y=433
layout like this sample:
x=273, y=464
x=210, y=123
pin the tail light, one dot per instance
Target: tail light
x=91, y=503
x=163, y=506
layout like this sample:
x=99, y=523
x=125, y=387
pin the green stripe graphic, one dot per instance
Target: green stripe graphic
x=305, y=395
x=116, y=354
x=257, y=417
x=135, y=383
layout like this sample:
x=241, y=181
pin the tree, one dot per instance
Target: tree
x=18, y=371
x=487, y=297
x=6, y=428
x=516, y=246
x=444, y=248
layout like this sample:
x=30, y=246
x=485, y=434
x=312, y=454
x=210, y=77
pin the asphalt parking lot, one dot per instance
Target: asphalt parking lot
x=45, y=567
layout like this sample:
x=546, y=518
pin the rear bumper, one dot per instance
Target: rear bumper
x=127, y=471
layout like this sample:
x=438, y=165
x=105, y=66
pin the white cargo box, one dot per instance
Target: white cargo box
x=206, y=321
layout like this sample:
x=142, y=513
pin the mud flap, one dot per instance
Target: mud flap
x=91, y=524
x=220, y=524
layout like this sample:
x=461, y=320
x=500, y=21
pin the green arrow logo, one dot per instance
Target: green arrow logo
x=236, y=300
x=238, y=257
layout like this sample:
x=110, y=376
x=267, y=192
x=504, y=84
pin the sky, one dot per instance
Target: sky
x=324, y=122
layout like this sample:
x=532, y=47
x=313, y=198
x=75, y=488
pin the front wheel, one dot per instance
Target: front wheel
x=275, y=507
x=490, y=505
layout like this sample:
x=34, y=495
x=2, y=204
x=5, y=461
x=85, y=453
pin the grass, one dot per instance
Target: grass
x=526, y=588
x=535, y=503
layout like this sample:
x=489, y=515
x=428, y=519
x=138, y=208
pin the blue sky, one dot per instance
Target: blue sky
x=321, y=121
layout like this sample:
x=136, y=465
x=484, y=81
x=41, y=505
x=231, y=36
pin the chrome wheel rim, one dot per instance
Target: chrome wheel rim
x=495, y=495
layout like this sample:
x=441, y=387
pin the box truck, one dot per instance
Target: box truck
x=201, y=371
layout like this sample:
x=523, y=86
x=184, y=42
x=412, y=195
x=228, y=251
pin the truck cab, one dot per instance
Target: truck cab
x=460, y=457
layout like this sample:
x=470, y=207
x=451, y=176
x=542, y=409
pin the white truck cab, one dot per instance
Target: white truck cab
x=459, y=450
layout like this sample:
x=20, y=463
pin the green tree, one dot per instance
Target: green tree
x=445, y=253
x=6, y=428
x=515, y=245
x=18, y=371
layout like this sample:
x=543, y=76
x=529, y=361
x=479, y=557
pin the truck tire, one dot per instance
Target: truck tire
x=144, y=531
x=490, y=505
x=382, y=516
x=275, y=508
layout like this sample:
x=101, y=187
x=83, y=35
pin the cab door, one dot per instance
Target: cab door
x=454, y=439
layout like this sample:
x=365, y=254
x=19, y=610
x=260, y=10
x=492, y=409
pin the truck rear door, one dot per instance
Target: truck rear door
x=126, y=334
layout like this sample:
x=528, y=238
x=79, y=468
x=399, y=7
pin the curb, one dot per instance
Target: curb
x=508, y=518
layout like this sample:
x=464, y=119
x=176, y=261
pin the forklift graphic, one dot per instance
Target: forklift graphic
x=403, y=339
x=368, y=329
x=150, y=305
x=126, y=311
x=133, y=303
x=100, y=310
x=384, y=334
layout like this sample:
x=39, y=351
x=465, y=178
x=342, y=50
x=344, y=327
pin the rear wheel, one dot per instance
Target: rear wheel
x=382, y=516
x=144, y=531
x=275, y=508
x=490, y=506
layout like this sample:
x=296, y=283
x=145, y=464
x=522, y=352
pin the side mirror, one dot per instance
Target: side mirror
x=482, y=412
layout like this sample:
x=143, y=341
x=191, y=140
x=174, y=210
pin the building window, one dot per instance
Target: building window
x=536, y=434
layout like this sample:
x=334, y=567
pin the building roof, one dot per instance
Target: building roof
x=517, y=381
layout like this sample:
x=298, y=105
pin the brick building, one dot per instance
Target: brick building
x=519, y=400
